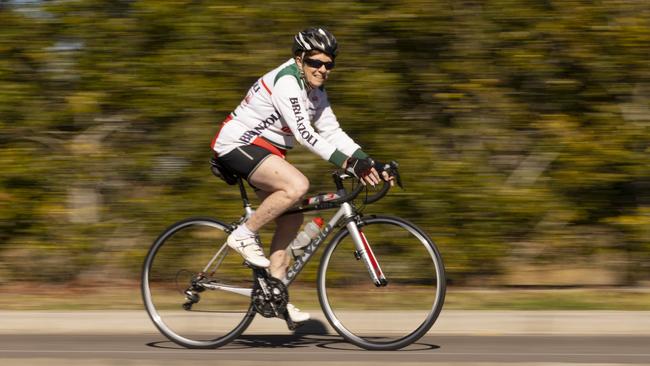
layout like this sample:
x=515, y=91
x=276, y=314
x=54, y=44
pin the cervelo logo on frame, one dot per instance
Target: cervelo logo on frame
x=309, y=250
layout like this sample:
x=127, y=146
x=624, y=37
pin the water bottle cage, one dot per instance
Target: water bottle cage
x=305, y=237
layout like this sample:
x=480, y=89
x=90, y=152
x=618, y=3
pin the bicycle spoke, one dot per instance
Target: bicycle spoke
x=385, y=315
x=191, y=306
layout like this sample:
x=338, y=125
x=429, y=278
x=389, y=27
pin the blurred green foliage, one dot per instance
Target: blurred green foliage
x=521, y=126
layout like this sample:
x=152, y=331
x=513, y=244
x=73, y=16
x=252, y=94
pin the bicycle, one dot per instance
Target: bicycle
x=194, y=287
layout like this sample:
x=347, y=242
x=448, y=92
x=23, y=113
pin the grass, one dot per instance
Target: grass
x=127, y=297
x=550, y=299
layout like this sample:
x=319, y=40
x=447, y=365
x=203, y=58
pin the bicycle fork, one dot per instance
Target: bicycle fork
x=364, y=252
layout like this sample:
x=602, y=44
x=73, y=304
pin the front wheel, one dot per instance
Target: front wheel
x=196, y=291
x=388, y=316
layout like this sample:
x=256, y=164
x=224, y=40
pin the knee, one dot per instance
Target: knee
x=298, y=189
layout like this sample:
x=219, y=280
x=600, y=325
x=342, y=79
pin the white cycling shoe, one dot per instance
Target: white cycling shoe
x=250, y=249
x=296, y=315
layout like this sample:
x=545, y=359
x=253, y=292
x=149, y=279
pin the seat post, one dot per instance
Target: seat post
x=242, y=192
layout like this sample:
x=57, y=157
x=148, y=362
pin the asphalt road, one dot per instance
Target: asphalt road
x=128, y=338
x=154, y=349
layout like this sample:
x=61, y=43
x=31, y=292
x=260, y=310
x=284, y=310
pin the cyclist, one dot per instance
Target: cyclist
x=287, y=104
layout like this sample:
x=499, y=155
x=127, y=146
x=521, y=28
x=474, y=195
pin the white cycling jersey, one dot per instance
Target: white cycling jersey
x=280, y=109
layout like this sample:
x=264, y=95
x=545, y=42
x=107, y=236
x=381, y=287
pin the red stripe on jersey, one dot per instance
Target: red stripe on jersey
x=214, y=140
x=266, y=87
x=261, y=142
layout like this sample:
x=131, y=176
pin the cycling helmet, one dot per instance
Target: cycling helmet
x=319, y=39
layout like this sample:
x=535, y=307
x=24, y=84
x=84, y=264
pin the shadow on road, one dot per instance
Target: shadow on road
x=311, y=334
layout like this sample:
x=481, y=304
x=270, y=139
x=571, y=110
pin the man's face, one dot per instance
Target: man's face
x=315, y=68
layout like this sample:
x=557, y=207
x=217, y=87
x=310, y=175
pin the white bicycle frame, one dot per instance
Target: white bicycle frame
x=345, y=213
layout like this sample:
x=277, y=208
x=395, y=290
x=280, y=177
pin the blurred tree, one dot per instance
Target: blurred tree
x=521, y=126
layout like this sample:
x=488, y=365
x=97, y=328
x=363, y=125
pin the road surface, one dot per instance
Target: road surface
x=152, y=349
x=460, y=338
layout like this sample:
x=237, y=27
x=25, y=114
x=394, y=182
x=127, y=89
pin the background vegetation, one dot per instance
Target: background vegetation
x=521, y=126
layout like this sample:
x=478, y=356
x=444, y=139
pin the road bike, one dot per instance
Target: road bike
x=380, y=282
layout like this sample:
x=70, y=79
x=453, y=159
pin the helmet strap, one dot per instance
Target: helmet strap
x=302, y=71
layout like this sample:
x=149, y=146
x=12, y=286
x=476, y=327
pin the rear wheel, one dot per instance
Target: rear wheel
x=385, y=317
x=196, y=290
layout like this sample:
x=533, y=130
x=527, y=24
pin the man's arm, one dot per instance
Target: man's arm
x=286, y=98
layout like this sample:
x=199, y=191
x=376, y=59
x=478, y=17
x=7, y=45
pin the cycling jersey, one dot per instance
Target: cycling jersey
x=280, y=109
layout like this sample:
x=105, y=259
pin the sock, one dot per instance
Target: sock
x=242, y=231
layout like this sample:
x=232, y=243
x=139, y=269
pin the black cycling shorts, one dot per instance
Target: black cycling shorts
x=244, y=160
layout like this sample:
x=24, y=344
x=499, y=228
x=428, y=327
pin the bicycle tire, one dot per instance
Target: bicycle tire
x=344, y=285
x=175, y=257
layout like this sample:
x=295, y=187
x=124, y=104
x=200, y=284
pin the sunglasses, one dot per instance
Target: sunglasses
x=316, y=64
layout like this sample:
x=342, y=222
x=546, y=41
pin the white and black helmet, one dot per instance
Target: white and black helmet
x=319, y=39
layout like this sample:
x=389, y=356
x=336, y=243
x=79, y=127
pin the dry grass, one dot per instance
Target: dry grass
x=127, y=296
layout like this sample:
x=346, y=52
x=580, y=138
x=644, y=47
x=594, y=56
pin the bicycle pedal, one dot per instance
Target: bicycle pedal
x=290, y=323
x=294, y=326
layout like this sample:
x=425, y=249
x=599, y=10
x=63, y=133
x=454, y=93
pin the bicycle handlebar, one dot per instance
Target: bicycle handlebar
x=330, y=200
x=392, y=170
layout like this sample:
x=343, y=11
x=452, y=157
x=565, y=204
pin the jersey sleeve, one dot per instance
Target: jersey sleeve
x=328, y=126
x=287, y=100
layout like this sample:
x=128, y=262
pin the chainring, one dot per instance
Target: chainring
x=270, y=297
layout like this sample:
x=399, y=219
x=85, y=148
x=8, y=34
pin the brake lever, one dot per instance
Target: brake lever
x=395, y=172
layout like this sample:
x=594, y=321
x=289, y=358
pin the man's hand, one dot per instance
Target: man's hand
x=363, y=169
x=385, y=172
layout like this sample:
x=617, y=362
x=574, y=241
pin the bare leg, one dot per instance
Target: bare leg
x=282, y=186
x=286, y=230
x=285, y=184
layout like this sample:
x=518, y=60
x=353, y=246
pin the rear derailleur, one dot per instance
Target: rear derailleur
x=192, y=293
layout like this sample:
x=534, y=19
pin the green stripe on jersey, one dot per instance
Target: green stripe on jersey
x=359, y=154
x=290, y=70
x=338, y=158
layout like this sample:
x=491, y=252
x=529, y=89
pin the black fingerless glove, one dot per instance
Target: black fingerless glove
x=359, y=167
